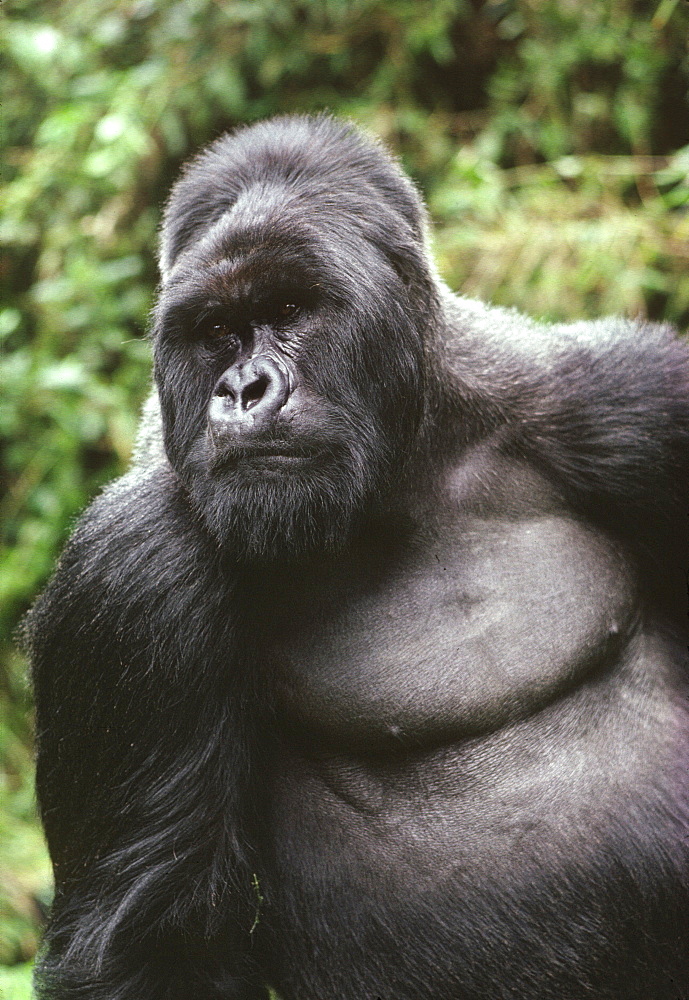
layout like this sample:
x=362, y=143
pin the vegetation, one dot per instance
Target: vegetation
x=551, y=138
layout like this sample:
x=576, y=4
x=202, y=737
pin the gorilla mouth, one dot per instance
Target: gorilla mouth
x=264, y=456
x=275, y=459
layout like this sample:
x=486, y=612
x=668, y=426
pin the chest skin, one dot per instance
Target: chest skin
x=496, y=604
x=491, y=624
x=456, y=717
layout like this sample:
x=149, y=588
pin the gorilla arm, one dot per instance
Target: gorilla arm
x=137, y=799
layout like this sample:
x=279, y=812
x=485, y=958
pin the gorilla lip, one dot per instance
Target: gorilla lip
x=274, y=456
x=262, y=455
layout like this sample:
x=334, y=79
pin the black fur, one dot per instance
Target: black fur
x=488, y=514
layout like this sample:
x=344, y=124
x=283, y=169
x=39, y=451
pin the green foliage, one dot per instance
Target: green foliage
x=580, y=235
x=590, y=76
x=505, y=111
x=15, y=983
x=24, y=867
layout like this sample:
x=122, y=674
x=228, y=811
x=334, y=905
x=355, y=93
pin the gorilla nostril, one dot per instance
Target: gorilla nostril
x=224, y=390
x=248, y=397
x=254, y=392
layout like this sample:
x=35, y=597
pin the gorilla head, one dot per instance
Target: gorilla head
x=291, y=333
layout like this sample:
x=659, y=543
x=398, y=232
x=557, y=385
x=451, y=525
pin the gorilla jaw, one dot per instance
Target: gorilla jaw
x=265, y=510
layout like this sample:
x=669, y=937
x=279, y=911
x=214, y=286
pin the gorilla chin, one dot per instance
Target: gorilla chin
x=273, y=502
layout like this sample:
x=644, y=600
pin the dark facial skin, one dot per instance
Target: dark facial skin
x=369, y=681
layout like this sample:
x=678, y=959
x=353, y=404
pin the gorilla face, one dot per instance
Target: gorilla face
x=289, y=355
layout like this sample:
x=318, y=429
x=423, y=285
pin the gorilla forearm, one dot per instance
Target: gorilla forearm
x=115, y=643
x=145, y=966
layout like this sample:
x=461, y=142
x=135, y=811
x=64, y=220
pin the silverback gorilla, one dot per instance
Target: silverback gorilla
x=369, y=680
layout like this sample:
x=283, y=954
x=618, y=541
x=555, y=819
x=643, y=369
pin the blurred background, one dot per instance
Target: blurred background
x=550, y=138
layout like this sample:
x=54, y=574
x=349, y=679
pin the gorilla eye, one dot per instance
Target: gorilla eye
x=221, y=332
x=287, y=309
x=217, y=331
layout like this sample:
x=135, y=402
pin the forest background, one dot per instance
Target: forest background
x=550, y=138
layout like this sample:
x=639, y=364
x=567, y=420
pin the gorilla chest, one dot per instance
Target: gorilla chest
x=482, y=628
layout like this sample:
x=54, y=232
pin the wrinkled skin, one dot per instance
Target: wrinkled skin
x=370, y=679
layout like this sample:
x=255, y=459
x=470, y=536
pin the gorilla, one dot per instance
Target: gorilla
x=369, y=680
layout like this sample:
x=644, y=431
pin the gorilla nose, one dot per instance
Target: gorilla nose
x=248, y=397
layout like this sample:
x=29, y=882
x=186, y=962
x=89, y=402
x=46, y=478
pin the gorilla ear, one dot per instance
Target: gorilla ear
x=406, y=267
x=414, y=266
